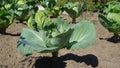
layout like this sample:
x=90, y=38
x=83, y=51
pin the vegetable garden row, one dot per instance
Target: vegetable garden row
x=48, y=33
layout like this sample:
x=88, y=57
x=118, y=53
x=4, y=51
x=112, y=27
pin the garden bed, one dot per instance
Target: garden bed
x=102, y=54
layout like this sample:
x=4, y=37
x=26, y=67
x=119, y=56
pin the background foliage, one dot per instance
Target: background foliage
x=92, y=5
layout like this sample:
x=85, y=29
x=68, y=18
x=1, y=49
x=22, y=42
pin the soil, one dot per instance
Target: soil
x=102, y=54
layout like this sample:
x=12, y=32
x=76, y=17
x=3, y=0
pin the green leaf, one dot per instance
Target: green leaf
x=6, y=18
x=22, y=9
x=62, y=25
x=74, y=9
x=33, y=41
x=112, y=23
x=38, y=36
x=61, y=39
x=104, y=21
x=42, y=20
x=54, y=11
x=31, y=23
x=48, y=3
x=114, y=17
x=113, y=6
x=83, y=35
x=24, y=49
x=3, y=12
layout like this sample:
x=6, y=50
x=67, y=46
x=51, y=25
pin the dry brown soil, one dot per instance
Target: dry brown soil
x=102, y=54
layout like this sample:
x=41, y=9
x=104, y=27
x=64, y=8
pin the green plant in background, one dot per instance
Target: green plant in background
x=6, y=19
x=61, y=3
x=112, y=7
x=52, y=8
x=5, y=2
x=22, y=9
x=90, y=5
x=74, y=9
x=53, y=35
x=39, y=21
x=94, y=5
x=112, y=0
x=111, y=19
x=74, y=0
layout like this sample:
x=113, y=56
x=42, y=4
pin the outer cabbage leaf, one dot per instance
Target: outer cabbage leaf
x=83, y=35
x=104, y=21
x=33, y=41
x=62, y=25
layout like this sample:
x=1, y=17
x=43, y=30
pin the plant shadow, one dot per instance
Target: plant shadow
x=48, y=62
x=18, y=34
x=112, y=39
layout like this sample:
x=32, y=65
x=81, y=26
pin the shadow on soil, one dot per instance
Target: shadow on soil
x=113, y=39
x=18, y=34
x=47, y=62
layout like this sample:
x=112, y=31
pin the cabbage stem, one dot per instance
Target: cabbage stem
x=73, y=20
x=55, y=54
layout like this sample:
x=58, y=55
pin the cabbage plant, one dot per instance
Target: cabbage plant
x=112, y=6
x=74, y=9
x=53, y=35
x=6, y=19
x=22, y=9
x=51, y=7
x=111, y=19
